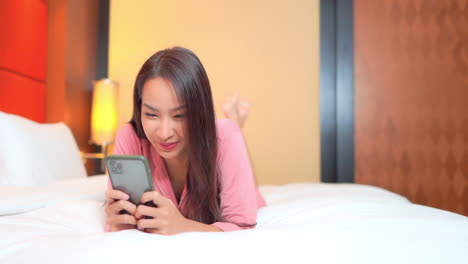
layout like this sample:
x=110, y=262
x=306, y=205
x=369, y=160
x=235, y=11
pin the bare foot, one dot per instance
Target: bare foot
x=236, y=109
x=243, y=110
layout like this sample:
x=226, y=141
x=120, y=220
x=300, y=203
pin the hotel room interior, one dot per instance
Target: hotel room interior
x=358, y=131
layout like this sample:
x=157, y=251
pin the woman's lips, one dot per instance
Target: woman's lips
x=168, y=146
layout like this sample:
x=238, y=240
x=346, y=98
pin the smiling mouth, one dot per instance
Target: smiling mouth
x=168, y=146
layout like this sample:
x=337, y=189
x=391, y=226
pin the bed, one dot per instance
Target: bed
x=60, y=219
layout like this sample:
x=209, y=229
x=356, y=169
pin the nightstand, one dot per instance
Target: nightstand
x=94, y=163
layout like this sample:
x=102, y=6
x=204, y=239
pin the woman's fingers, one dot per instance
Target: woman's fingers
x=116, y=202
x=116, y=207
x=113, y=195
x=143, y=210
x=151, y=223
x=121, y=227
x=156, y=197
x=123, y=219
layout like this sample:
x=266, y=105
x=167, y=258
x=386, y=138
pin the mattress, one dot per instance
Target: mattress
x=63, y=222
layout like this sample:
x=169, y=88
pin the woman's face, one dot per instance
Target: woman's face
x=162, y=117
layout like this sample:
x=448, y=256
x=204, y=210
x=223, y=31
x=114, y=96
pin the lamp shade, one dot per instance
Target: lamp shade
x=104, y=112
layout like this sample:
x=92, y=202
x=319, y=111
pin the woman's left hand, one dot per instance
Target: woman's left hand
x=166, y=218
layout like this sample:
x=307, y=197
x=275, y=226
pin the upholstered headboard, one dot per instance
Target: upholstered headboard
x=23, y=58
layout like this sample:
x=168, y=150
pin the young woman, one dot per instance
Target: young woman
x=201, y=170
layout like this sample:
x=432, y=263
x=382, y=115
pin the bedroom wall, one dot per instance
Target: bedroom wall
x=267, y=50
x=73, y=65
x=23, y=58
x=411, y=77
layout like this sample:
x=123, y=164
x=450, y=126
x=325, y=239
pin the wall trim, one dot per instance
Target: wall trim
x=337, y=90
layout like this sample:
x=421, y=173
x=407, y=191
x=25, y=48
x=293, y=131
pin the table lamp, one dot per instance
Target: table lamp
x=103, y=117
x=104, y=113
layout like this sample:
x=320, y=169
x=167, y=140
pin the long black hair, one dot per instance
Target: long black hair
x=188, y=77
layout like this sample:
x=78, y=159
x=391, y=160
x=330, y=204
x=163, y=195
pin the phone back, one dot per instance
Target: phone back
x=130, y=174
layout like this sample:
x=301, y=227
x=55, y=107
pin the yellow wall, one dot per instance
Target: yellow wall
x=268, y=50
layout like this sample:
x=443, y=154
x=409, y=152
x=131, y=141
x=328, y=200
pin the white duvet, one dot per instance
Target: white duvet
x=303, y=223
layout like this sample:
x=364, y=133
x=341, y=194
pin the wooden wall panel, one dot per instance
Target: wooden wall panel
x=72, y=65
x=411, y=82
x=72, y=56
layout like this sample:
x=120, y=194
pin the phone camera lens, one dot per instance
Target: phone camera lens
x=116, y=167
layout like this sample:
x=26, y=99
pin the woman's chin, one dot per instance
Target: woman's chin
x=167, y=156
x=170, y=155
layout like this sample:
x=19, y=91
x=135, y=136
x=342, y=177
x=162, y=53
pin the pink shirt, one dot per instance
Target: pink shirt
x=239, y=196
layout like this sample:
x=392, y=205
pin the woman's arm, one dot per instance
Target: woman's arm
x=194, y=226
x=239, y=195
x=166, y=219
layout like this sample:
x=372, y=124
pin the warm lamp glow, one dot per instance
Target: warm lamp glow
x=104, y=112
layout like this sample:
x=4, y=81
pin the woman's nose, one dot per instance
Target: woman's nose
x=165, y=130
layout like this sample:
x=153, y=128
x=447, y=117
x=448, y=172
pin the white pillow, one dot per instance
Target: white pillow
x=33, y=153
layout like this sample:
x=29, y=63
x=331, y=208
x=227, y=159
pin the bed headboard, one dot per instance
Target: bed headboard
x=22, y=65
x=51, y=81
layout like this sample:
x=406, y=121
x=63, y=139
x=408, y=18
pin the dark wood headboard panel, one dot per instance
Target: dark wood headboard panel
x=77, y=44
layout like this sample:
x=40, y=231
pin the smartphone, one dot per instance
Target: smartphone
x=130, y=174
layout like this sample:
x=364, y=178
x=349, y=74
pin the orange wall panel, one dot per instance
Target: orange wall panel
x=23, y=58
x=24, y=101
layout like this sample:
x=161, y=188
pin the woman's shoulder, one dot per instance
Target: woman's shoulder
x=126, y=134
x=126, y=131
x=127, y=141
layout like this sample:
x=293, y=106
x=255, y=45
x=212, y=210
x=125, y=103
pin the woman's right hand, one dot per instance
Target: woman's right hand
x=116, y=202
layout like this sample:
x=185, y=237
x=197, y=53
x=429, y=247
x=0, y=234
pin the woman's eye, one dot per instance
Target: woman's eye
x=150, y=115
x=179, y=116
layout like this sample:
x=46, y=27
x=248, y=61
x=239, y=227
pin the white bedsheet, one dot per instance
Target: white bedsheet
x=303, y=223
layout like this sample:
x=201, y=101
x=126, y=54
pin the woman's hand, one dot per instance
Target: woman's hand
x=117, y=201
x=166, y=218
